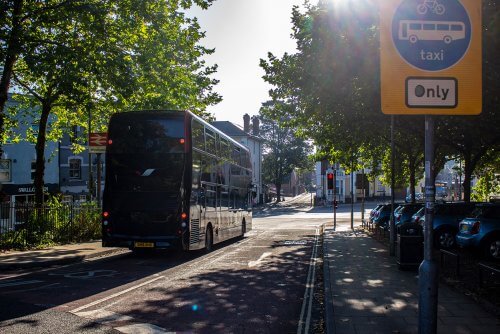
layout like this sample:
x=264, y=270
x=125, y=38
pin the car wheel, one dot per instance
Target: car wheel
x=445, y=239
x=492, y=248
x=209, y=241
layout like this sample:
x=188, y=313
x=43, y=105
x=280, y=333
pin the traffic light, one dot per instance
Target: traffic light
x=329, y=179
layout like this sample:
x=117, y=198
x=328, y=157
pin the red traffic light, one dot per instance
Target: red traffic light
x=329, y=176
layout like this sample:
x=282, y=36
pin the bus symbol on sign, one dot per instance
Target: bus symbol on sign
x=419, y=30
x=431, y=35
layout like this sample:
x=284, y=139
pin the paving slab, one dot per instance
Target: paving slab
x=365, y=292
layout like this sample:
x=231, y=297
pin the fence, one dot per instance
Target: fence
x=22, y=225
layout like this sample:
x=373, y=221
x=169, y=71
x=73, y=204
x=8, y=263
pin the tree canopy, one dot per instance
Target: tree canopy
x=70, y=58
x=333, y=82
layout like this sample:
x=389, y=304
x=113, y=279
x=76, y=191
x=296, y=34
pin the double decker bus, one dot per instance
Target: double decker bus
x=173, y=181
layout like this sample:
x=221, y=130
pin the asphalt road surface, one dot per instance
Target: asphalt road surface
x=263, y=283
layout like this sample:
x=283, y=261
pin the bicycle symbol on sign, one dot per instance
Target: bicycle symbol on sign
x=433, y=5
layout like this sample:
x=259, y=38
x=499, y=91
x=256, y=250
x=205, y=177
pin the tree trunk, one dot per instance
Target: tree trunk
x=412, y=179
x=40, y=153
x=12, y=52
x=278, y=192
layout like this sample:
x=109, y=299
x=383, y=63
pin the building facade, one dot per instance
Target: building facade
x=248, y=136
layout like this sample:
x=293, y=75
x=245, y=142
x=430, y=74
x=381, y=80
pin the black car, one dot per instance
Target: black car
x=445, y=222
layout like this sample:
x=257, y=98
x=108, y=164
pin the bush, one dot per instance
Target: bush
x=54, y=223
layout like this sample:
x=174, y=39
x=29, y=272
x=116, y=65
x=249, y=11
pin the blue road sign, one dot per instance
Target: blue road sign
x=431, y=35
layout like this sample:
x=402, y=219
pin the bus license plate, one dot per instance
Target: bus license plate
x=144, y=244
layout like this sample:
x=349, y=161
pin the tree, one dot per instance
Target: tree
x=112, y=55
x=333, y=82
x=489, y=178
x=284, y=150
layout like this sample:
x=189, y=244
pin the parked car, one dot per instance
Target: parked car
x=481, y=231
x=405, y=211
x=418, y=197
x=445, y=222
x=417, y=216
x=374, y=211
x=383, y=215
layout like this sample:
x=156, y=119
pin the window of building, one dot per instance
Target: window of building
x=5, y=170
x=74, y=134
x=75, y=169
x=33, y=169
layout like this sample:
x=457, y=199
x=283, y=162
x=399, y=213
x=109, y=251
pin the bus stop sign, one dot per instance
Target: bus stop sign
x=431, y=57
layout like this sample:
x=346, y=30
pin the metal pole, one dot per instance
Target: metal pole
x=460, y=181
x=363, y=198
x=392, y=225
x=428, y=271
x=98, y=195
x=352, y=194
x=334, y=198
x=89, y=109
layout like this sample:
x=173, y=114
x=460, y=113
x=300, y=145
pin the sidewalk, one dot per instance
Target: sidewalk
x=55, y=255
x=366, y=293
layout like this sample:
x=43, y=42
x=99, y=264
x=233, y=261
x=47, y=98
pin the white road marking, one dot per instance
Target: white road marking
x=309, y=293
x=78, y=309
x=103, y=316
x=107, y=318
x=87, y=274
x=257, y=263
x=142, y=329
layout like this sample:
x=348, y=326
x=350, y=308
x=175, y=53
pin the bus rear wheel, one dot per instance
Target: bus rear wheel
x=209, y=240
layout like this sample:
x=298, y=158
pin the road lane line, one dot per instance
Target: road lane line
x=259, y=261
x=78, y=309
x=192, y=268
x=309, y=292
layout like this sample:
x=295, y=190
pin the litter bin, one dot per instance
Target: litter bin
x=409, y=246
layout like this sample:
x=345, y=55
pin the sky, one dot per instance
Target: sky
x=242, y=32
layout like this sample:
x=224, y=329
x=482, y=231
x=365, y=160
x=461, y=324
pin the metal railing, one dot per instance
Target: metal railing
x=22, y=225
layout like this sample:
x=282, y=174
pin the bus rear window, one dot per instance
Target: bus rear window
x=135, y=134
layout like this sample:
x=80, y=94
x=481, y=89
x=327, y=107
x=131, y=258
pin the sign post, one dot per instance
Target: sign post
x=431, y=64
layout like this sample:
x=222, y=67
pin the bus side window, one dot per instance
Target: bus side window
x=211, y=142
x=236, y=155
x=198, y=135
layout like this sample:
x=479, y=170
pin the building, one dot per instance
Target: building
x=371, y=189
x=248, y=136
x=76, y=169
x=17, y=165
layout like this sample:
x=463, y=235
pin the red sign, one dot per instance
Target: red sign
x=98, y=139
x=97, y=142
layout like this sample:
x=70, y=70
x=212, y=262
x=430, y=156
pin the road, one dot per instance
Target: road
x=262, y=283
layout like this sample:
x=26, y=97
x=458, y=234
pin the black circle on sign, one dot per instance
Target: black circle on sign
x=419, y=90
